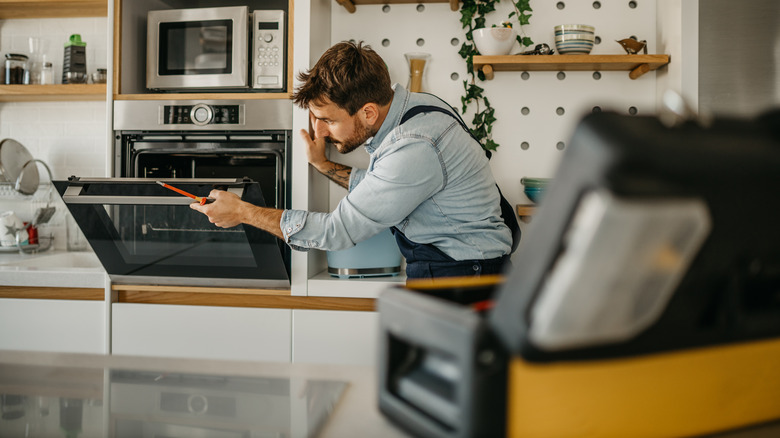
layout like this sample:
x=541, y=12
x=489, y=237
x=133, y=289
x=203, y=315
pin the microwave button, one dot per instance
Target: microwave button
x=268, y=37
x=267, y=80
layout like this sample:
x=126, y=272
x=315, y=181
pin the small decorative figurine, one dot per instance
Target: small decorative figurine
x=632, y=46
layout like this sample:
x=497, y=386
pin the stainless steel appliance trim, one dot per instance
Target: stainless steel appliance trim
x=239, y=78
x=364, y=271
x=193, y=281
x=128, y=200
x=154, y=180
x=259, y=114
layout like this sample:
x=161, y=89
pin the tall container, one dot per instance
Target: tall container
x=74, y=62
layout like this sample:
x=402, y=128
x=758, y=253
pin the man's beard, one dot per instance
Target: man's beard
x=358, y=138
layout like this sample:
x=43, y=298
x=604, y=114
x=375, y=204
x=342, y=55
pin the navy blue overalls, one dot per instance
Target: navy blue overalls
x=424, y=260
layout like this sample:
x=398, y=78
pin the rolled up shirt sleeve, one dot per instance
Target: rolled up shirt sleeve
x=378, y=199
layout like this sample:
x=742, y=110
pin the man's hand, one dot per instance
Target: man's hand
x=226, y=211
x=315, y=150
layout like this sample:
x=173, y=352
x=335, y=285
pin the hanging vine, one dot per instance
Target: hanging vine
x=472, y=17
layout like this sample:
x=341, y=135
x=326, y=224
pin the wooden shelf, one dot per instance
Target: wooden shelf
x=12, y=9
x=57, y=92
x=349, y=5
x=203, y=96
x=637, y=65
x=525, y=211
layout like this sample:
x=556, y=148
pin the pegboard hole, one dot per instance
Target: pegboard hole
x=597, y=40
x=596, y=5
x=454, y=42
x=632, y=110
x=524, y=145
x=561, y=76
x=560, y=5
x=632, y=4
x=385, y=42
x=420, y=42
x=596, y=75
x=420, y=8
x=560, y=111
x=525, y=111
x=455, y=76
x=386, y=8
x=560, y=146
x=525, y=76
x=596, y=109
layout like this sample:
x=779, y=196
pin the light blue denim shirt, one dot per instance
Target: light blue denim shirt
x=428, y=177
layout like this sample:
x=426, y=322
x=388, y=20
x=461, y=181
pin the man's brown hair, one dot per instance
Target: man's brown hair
x=349, y=75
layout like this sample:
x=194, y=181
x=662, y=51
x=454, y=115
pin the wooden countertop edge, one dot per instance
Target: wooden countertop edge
x=219, y=297
x=53, y=293
x=245, y=300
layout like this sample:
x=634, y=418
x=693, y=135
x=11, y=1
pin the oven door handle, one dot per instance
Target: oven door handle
x=73, y=195
x=127, y=200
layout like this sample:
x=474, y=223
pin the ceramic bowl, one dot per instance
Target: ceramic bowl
x=574, y=39
x=534, y=188
x=494, y=41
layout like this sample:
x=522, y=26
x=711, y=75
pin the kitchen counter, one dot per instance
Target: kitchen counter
x=53, y=268
x=195, y=397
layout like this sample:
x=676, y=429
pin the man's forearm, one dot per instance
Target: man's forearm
x=338, y=173
x=267, y=219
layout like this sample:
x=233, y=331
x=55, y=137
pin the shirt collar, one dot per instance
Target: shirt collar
x=393, y=119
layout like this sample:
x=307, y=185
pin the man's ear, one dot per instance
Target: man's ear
x=370, y=113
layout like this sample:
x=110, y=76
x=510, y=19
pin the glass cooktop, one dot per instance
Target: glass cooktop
x=103, y=402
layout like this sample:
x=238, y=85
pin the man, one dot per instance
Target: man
x=427, y=177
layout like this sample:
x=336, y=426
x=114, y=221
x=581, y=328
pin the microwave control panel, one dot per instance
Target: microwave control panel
x=268, y=49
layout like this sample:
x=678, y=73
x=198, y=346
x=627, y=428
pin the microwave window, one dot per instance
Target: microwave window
x=196, y=47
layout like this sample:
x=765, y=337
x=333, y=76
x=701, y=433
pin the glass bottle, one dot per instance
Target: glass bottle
x=47, y=74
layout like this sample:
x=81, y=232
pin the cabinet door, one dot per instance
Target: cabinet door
x=201, y=332
x=52, y=325
x=335, y=337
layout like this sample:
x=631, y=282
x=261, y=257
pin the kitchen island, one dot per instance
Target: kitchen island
x=122, y=395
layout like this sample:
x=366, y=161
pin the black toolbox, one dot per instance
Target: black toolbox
x=644, y=298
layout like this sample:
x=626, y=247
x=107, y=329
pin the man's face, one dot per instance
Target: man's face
x=336, y=126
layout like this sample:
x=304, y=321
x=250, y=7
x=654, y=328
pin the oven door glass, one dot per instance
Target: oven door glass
x=144, y=233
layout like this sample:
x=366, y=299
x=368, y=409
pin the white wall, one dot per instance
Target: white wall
x=396, y=30
x=69, y=136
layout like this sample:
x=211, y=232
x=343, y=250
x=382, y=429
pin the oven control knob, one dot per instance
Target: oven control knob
x=201, y=114
x=268, y=38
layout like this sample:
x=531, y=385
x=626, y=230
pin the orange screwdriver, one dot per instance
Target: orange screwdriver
x=182, y=192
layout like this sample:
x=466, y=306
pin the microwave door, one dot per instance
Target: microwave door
x=198, y=48
x=143, y=235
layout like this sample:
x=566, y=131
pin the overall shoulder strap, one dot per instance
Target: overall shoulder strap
x=507, y=213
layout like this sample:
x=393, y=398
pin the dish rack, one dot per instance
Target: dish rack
x=42, y=196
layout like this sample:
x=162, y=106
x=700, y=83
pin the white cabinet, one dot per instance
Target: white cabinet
x=335, y=337
x=201, y=332
x=52, y=325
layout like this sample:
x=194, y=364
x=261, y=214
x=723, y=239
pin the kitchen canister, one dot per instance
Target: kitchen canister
x=15, y=68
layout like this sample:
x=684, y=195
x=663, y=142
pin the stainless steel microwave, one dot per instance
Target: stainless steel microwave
x=220, y=48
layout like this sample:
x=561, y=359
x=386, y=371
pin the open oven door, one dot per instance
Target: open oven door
x=144, y=233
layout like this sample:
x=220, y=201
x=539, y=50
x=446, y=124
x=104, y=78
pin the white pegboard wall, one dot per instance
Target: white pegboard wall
x=542, y=129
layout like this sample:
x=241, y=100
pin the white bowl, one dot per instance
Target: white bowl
x=494, y=41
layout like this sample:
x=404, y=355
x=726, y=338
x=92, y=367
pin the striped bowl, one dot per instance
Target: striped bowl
x=574, y=39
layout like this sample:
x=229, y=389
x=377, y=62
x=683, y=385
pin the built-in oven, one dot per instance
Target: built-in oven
x=146, y=234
